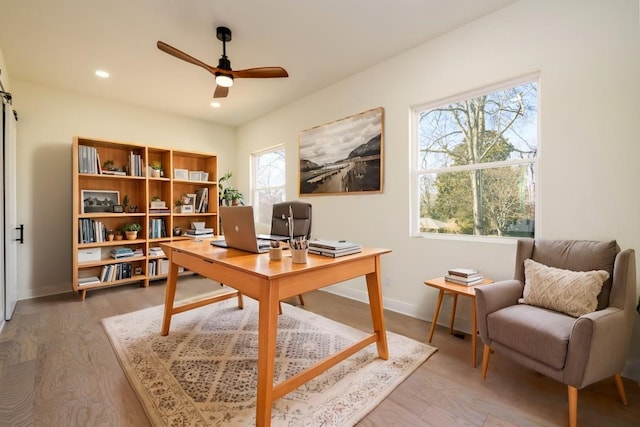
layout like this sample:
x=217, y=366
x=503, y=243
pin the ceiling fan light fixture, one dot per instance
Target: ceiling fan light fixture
x=224, y=80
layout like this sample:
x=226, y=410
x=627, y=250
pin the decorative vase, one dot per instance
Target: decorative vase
x=110, y=237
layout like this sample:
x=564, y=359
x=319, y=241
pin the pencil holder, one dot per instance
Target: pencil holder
x=299, y=256
x=275, y=254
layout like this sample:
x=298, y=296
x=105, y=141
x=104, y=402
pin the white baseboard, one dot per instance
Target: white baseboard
x=388, y=303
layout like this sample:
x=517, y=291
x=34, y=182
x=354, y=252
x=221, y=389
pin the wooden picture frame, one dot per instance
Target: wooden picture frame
x=343, y=157
x=99, y=201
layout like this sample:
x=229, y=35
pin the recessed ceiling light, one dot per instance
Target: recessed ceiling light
x=215, y=104
x=102, y=74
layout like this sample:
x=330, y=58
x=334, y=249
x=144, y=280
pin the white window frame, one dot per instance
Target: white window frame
x=415, y=172
x=254, y=185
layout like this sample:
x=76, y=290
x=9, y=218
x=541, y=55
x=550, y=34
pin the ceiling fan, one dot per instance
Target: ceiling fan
x=223, y=72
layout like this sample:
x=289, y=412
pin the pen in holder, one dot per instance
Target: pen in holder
x=299, y=251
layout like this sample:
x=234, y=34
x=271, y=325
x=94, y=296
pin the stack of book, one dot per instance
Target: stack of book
x=87, y=281
x=199, y=230
x=333, y=248
x=118, y=253
x=464, y=276
x=156, y=251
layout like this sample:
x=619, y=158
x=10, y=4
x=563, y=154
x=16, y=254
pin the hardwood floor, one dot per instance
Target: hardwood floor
x=57, y=368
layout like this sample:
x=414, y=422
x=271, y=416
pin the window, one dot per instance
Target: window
x=474, y=167
x=268, y=183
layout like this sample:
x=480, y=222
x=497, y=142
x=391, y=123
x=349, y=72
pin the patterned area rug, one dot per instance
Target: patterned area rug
x=204, y=372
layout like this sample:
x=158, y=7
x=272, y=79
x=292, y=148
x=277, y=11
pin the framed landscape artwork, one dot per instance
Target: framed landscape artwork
x=94, y=201
x=343, y=157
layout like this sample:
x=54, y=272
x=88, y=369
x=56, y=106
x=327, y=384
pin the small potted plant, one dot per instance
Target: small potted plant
x=131, y=230
x=108, y=165
x=183, y=204
x=156, y=169
x=156, y=203
x=110, y=235
x=228, y=195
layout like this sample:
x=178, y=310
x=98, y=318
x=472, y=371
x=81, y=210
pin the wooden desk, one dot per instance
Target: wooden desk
x=449, y=288
x=268, y=282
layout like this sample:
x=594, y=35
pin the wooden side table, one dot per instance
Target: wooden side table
x=453, y=289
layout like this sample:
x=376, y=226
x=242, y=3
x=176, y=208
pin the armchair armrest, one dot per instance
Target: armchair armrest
x=494, y=297
x=597, y=347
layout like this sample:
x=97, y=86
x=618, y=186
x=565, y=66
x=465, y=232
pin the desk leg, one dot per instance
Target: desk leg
x=267, y=334
x=453, y=312
x=169, y=297
x=474, y=331
x=436, y=314
x=377, y=314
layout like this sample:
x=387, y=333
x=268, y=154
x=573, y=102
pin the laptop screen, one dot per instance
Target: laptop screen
x=239, y=229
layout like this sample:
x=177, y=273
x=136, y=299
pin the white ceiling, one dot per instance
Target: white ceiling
x=62, y=42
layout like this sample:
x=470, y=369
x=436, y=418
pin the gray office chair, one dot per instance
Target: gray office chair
x=301, y=222
x=280, y=226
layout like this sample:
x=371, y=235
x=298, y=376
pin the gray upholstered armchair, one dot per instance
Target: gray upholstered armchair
x=579, y=349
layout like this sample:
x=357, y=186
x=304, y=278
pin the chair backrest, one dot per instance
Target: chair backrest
x=575, y=255
x=301, y=219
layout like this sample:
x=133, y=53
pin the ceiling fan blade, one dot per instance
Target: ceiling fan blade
x=260, y=73
x=221, y=92
x=185, y=57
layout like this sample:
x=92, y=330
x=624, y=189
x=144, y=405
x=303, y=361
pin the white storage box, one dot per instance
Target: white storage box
x=89, y=255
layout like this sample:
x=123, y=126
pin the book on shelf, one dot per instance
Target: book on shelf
x=197, y=231
x=113, y=172
x=118, y=253
x=86, y=281
x=468, y=281
x=114, y=272
x=156, y=251
x=202, y=200
x=199, y=235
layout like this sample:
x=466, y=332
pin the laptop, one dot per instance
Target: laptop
x=240, y=230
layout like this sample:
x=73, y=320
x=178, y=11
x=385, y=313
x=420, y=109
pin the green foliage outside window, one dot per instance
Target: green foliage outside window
x=476, y=164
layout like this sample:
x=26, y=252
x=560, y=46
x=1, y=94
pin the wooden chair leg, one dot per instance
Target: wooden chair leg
x=620, y=386
x=573, y=406
x=240, y=301
x=486, y=353
x=300, y=298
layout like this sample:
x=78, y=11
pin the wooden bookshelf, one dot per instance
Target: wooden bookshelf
x=94, y=193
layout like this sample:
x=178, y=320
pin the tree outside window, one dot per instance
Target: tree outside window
x=268, y=183
x=475, y=163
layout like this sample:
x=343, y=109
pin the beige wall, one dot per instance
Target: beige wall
x=588, y=56
x=48, y=120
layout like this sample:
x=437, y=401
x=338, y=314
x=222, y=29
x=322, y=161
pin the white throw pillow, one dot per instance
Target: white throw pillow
x=572, y=292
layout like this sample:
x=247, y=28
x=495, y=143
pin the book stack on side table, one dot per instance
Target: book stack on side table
x=464, y=276
x=333, y=248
